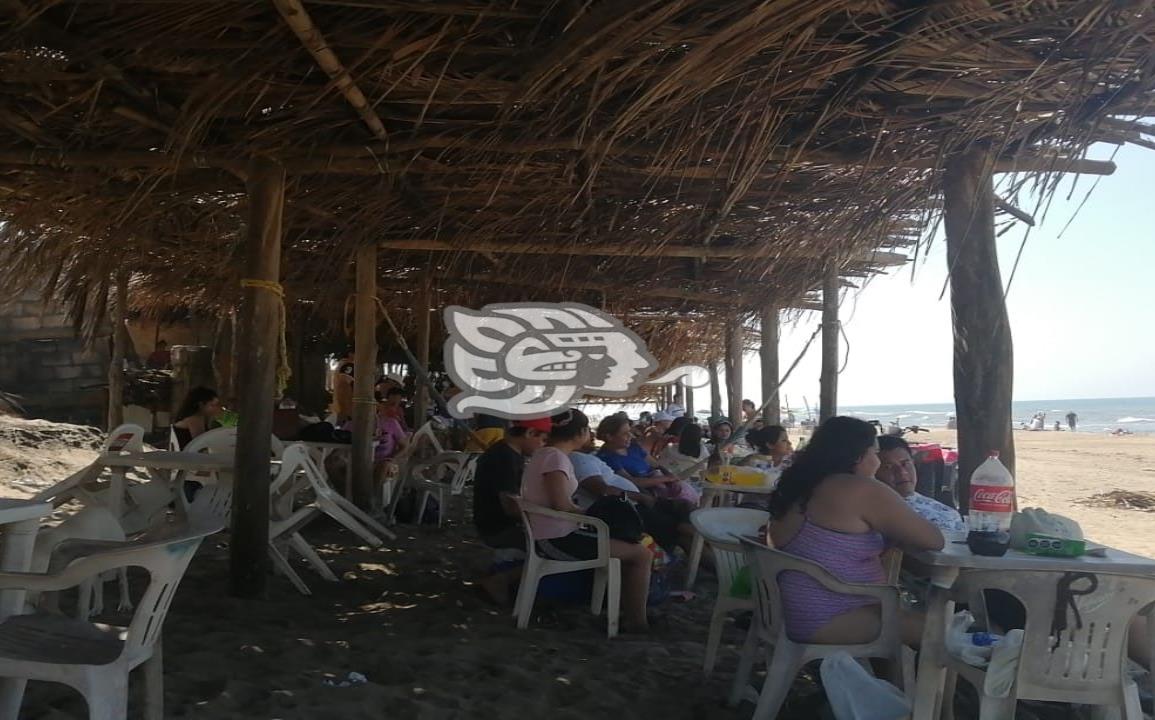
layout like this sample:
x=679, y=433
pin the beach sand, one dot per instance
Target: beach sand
x=1061, y=471
x=407, y=617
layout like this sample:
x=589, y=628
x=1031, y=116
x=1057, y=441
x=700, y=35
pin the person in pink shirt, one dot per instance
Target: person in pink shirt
x=548, y=480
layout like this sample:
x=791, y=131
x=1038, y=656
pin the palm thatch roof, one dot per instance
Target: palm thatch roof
x=673, y=158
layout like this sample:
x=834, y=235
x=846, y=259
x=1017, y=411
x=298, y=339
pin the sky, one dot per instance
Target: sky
x=1080, y=306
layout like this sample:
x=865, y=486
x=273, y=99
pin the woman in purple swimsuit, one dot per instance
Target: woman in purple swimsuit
x=829, y=509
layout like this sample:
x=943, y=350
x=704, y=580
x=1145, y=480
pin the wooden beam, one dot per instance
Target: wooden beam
x=364, y=374
x=828, y=385
x=119, y=348
x=1014, y=211
x=734, y=348
x=370, y=159
x=766, y=250
x=297, y=18
x=725, y=296
x=983, y=353
x=768, y=352
x=257, y=341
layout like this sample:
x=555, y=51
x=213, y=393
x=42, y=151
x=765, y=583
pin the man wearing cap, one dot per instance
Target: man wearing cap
x=496, y=483
x=498, y=479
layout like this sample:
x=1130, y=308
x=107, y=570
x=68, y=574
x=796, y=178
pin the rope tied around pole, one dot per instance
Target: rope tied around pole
x=283, y=371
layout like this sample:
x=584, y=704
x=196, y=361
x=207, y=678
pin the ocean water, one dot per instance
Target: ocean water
x=1095, y=414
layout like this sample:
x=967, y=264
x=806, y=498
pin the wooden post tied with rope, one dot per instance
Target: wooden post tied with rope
x=768, y=353
x=364, y=375
x=828, y=385
x=257, y=347
x=983, y=354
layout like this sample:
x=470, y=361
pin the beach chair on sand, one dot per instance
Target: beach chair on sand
x=720, y=528
x=97, y=659
x=785, y=657
x=607, y=570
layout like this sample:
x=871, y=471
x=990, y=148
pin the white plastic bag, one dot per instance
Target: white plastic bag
x=1004, y=665
x=959, y=644
x=855, y=694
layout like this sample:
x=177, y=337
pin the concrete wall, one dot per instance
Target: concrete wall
x=43, y=361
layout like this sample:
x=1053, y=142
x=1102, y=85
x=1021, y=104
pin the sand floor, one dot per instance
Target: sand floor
x=1061, y=471
x=407, y=617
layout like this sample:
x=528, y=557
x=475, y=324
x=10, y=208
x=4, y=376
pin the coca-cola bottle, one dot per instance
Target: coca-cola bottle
x=991, y=508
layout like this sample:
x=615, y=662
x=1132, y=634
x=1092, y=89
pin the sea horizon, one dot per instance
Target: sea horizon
x=1135, y=414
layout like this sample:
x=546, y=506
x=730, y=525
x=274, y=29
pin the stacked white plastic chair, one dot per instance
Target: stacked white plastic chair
x=125, y=438
x=785, y=657
x=721, y=529
x=607, y=570
x=97, y=660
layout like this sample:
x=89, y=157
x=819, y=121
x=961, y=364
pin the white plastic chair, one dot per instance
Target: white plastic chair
x=607, y=570
x=127, y=438
x=785, y=657
x=1086, y=664
x=427, y=434
x=424, y=476
x=721, y=528
x=212, y=504
x=332, y=503
x=95, y=659
x=431, y=477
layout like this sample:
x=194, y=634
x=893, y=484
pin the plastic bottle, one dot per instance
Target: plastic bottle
x=985, y=639
x=992, y=496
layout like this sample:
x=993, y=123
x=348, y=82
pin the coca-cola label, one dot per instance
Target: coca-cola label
x=992, y=498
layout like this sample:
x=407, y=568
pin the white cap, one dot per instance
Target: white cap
x=662, y=416
x=675, y=411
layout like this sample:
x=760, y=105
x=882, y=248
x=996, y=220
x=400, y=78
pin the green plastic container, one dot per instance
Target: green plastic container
x=1040, y=544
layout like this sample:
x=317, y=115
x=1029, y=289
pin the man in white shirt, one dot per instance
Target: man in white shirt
x=896, y=469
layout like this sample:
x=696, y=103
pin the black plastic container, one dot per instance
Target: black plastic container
x=989, y=543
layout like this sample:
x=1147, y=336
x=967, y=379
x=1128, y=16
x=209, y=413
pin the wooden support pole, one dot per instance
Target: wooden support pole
x=983, y=352
x=364, y=374
x=224, y=361
x=424, y=303
x=769, y=356
x=734, y=337
x=828, y=387
x=257, y=340
x=715, y=391
x=119, y=348
x=690, y=403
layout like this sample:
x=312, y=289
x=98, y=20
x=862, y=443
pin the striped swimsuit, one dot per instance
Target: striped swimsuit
x=850, y=557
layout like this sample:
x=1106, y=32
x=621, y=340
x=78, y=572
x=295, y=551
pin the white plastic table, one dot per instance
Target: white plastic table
x=203, y=465
x=956, y=558
x=711, y=493
x=19, y=522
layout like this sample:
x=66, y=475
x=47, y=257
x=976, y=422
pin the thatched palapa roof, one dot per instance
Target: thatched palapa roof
x=671, y=157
